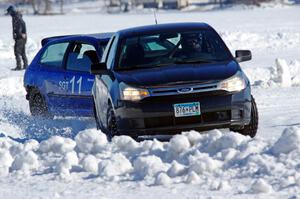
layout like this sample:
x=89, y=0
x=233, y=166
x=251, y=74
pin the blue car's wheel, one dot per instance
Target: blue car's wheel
x=37, y=104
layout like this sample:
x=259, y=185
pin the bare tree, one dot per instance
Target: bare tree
x=47, y=6
x=34, y=6
x=61, y=6
x=250, y=2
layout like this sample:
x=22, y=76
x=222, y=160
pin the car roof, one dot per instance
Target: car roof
x=101, y=36
x=159, y=28
x=96, y=36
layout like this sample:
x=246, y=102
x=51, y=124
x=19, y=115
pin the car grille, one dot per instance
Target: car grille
x=196, y=89
x=208, y=117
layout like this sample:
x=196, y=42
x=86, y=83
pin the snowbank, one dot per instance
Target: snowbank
x=289, y=141
x=260, y=186
x=213, y=160
x=282, y=74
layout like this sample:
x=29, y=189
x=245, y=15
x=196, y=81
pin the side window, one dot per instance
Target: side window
x=54, y=55
x=101, y=48
x=107, y=49
x=104, y=55
x=81, y=56
x=112, y=54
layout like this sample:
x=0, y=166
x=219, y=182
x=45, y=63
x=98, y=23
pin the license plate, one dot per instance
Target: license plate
x=187, y=109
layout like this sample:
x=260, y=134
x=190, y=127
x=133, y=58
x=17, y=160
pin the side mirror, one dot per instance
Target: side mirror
x=243, y=55
x=98, y=68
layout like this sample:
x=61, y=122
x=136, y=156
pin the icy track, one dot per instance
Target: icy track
x=68, y=158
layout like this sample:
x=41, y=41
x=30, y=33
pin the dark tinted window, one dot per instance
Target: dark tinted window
x=54, y=55
x=200, y=46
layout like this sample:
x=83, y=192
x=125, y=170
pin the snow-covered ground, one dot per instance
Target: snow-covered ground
x=67, y=157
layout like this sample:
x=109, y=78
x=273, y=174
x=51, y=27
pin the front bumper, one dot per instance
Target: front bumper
x=155, y=115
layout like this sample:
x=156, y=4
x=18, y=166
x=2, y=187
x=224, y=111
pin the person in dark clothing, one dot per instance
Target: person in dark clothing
x=20, y=37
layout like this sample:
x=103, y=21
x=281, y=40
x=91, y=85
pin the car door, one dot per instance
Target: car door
x=79, y=94
x=52, y=75
x=104, y=82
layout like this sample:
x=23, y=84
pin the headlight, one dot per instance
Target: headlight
x=131, y=93
x=234, y=83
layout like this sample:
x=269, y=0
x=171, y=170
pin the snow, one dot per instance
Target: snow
x=6, y=161
x=69, y=158
x=90, y=141
x=224, y=186
x=90, y=164
x=281, y=74
x=193, y=178
x=260, y=186
x=116, y=165
x=176, y=169
x=64, y=166
x=163, y=179
x=57, y=144
x=25, y=162
x=288, y=142
x=179, y=144
x=149, y=166
x=273, y=166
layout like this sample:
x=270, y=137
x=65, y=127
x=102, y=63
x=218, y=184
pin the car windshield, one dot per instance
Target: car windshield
x=157, y=50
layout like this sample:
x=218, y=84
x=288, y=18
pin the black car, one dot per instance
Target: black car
x=169, y=78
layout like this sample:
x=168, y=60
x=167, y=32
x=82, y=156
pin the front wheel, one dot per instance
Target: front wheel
x=251, y=128
x=112, y=128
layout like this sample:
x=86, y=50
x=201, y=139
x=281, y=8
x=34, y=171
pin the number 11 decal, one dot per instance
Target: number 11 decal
x=79, y=82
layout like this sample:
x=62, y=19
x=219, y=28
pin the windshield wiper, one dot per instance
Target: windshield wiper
x=158, y=65
x=193, y=61
x=146, y=66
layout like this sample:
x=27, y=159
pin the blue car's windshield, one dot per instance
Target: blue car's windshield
x=200, y=46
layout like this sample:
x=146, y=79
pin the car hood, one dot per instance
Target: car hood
x=178, y=74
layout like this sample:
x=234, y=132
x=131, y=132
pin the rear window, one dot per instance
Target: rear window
x=54, y=55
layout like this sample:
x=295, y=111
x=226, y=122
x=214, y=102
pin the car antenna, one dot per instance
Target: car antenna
x=154, y=13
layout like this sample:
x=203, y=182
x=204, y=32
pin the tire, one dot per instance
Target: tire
x=37, y=104
x=95, y=116
x=251, y=128
x=112, y=128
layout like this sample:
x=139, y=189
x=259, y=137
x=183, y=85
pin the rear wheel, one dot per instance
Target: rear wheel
x=251, y=128
x=37, y=104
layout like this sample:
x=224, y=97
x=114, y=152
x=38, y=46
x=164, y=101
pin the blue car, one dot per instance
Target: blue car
x=58, y=80
x=169, y=78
